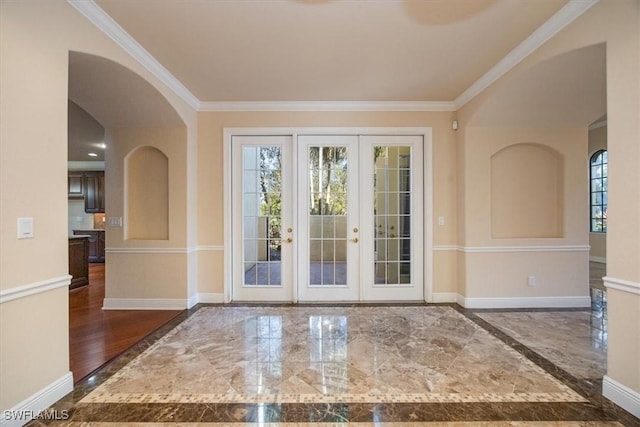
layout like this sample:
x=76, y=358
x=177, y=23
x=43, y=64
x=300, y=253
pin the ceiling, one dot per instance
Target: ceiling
x=244, y=54
x=328, y=50
x=85, y=135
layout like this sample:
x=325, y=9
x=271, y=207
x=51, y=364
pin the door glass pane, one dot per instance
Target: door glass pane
x=392, y=215
x=262, y=215
x=327, y=216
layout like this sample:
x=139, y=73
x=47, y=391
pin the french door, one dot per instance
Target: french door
x=343, y=222
x=262, y=194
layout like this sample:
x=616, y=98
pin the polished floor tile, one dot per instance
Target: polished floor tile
x=435, y=365
x=576, y=341
x=330, y=355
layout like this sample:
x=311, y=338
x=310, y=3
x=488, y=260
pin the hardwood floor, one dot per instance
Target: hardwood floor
x=97, y=336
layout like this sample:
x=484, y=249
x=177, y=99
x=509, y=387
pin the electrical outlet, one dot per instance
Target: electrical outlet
x=440, y=220
x=532, y=280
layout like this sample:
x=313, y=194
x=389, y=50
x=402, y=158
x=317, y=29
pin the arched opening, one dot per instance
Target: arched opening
x=106, y=95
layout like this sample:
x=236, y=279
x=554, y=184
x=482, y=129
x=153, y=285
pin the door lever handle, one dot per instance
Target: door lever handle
x=354, y=240
x=288, y=240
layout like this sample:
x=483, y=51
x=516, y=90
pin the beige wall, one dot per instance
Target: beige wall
x=598, y=241
x=210, y=173
x=34, y=66
x=481, y=143
x=130, y=259
x=617, y=24
x=35, y=39
x=500, y=267
x=172, y=143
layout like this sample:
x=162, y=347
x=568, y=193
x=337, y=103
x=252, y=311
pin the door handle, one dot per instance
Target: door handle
x=288, y=240
x=354, y=240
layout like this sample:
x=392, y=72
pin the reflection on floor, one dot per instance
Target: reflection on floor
x=576, y=341
x=435, y=364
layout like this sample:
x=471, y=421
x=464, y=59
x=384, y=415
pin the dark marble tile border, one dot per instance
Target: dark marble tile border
x=338, y=412
x=590, y=388
x=597, y=409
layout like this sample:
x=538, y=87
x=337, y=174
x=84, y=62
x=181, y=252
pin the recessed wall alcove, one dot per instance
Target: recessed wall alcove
x=146, y=194
x=527, y=192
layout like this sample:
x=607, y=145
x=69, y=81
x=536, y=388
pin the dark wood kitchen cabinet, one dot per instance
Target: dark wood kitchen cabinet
x=88, y=185
x=76, y=185
x=96, y=244
x=94, y=192
x=78, y=261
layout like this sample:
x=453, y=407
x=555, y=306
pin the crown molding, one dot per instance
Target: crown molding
x=553, y=26
x=98, y=17
x=572, y=10
x=328, y=106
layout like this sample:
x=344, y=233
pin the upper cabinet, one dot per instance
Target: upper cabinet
x=90, y=186
x=94, y=192
x=76, y=185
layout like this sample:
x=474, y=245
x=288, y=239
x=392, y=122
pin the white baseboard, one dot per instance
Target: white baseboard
x=159, y=303
x=599, y=259
x=440, y=297
x=621, y=395
x=145, y=304
x=525, y=302
x=211, y=298
x=193, y=300
x=24, y=411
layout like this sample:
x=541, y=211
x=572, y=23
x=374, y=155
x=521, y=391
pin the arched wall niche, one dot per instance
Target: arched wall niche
x=527, y=192
x=146, y=194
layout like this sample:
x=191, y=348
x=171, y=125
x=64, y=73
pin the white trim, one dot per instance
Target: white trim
x=90, y=10
x=599, y=259
x=150, y=250
x=215, y=248
x=446, y=248
x=86, y=166
x=40, y=400
x=98, y=17
x=516, y=249
x=205, y=248
x=296, y=132
x=597, y=125
x=441, y=297
x=554, y=25
x=228, y=212
x=34, y=288
x=622, y=285
x=329, y=106
x=525, y=302
x=193, y=300
x=621, y=395
x=146, y=303
x=211, y=298
x=300, y=131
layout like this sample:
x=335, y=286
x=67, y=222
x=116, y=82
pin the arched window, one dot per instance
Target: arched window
x=599, y=192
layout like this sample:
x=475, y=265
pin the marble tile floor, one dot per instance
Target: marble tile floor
x=434, y=364
x=576, y=341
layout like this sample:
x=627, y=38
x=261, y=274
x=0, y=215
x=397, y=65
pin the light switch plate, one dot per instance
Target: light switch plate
x=115, y=221
x=25, y=228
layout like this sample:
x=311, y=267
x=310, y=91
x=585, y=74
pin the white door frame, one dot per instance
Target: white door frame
x=425, y=132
